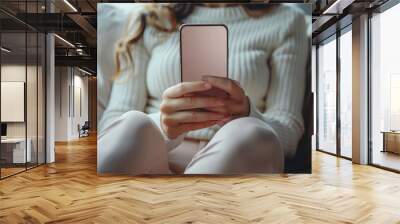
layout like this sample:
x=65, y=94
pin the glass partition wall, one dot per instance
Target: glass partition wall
x=22, y=77
x=13, y=109
x=327, y=96
x=385, y=89
x=345, y=62
x=334, y=94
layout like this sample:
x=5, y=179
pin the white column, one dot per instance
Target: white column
x=360, y=90
x=50, y=99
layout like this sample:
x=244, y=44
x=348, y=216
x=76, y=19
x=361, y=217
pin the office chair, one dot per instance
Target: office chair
x=84, y=130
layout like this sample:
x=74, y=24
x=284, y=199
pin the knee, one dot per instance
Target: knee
x=244, y=128
x=137, y=128
x=127, y=122
x=132, y=136
x=256, y=141
x=254, y=145
x=136, y=119
x=136, y=125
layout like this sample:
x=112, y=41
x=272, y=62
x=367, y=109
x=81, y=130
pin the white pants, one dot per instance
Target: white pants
x=134, y=145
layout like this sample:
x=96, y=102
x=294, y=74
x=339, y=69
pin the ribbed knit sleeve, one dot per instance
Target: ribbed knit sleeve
x=129, y=89
x=285, y=96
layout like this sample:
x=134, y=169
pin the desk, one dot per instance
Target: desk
x=391, y=141
x=13, y=150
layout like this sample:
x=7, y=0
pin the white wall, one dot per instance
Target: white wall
x=61, y=103
x=70, y=83
x=79, y=117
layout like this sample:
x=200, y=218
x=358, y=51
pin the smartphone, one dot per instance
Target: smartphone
x=204, y=51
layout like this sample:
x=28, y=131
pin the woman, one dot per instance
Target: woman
x=252, y=131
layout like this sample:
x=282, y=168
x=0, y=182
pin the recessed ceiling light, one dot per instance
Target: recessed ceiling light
x=65, y=41
x=338, y=6
x=70, y=5
x=5, y=50
x=84, y=71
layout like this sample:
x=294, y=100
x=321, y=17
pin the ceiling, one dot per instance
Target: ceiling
x=76, y=24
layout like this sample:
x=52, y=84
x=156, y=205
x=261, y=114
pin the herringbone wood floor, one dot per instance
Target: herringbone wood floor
x=69, y=191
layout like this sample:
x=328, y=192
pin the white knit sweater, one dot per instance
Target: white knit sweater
x=267, y=55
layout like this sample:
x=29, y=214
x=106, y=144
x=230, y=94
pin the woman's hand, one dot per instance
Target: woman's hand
x=237, y=104
x=180, y=108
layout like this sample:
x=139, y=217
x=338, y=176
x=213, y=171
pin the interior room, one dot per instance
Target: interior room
x=50, y=107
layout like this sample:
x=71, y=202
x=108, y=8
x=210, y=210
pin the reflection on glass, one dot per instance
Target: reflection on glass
x=346, y=94
x=14, y=153
x=327, y=97
x=394, y=101
x=41, y=99
x=31, y=100
x=385, y=84
x=313, y=89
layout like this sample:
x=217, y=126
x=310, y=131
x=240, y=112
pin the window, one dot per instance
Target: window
x=385, y=89
x=327, y=96
x=346, y=93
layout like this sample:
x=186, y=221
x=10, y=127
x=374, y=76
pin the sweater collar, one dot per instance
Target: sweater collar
x=202, y=14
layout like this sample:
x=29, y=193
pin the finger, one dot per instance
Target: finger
x=228, y=85
x=189, y=94
x=184, y=88
x=231, y=107
x=221, y=110
x=195, y=126
x=192, y=102
x=191, y=117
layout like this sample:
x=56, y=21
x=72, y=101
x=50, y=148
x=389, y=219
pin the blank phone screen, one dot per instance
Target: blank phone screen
x=204, y=51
